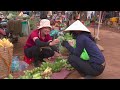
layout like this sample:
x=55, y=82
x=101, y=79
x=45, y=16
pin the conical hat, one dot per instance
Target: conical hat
x=77, y=26
x=21, y=13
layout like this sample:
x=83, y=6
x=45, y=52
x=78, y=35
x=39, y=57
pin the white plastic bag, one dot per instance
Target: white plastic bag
x=22, y=65
x=15, y=64
x=18, y=65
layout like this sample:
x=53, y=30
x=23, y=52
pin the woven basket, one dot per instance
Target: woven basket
x=15, y=26
x=5, y=61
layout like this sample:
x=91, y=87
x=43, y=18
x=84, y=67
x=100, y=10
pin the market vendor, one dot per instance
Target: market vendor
x=39, y=44
x=54, y=31
x=95, y=64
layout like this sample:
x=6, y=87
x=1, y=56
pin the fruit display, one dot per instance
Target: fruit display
x=5, y=43
x=56, y=66
x=11, y=16
x=47, y=73
x=69, y=67
x=46, y=70
x=9, y=77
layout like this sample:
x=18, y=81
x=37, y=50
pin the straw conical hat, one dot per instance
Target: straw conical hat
x=77, y=26
x=21, y=13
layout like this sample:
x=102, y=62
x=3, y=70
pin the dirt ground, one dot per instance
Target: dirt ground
x=109, y=40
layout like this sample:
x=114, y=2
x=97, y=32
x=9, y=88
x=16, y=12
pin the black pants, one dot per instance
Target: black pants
x=37, y=53
x=85, y=67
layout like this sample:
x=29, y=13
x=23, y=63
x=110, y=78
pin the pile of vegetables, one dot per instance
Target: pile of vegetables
x=33, y=23
x=45, y=71
x=36, y=73
x=11, y=16
x=58, y=65
x=24, y=17
x=68, y=37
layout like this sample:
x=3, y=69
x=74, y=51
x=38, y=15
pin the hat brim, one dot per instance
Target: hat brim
x=77, y=26
x=75, y=30
x=39, y=27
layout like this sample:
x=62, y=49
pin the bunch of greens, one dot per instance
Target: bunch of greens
x=45, y=70
x=66, y=37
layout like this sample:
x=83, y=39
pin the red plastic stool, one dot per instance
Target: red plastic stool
x=28, y=60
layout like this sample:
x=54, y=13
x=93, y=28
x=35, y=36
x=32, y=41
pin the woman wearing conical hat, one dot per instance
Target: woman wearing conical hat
x=95, y=63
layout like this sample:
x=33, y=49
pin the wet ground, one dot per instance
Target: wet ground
x=109, y=40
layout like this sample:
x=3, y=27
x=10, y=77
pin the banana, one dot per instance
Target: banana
x=11, y=45
x=48, y=69
x=1, y=42
x=5, y=43
x=1, y=45
x=47, y=72
x=4, y=39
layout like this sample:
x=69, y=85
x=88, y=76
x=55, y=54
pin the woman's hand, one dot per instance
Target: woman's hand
x=54, y=42
x=71, y=42
x=64, y=43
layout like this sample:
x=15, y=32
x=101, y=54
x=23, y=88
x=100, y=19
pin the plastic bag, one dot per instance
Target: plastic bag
x=22, y=65
x=84, y=55
x=15, y=64
x=18, y=65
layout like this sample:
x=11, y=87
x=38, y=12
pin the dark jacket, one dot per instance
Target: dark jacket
x=84, y=40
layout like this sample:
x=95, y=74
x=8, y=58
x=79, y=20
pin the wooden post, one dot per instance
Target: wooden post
x=119, y=18
x=98, y=31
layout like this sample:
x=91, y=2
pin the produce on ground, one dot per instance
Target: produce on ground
x=47, y=73
x=11, y=16
x=46, y=70
x=68, y=37
x=5, y=43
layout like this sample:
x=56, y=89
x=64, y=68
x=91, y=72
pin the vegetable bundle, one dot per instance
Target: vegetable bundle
x=45, y=70
x=68, y=37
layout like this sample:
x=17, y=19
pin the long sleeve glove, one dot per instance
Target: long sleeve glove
x=64, y=43
x=54, y=48
x=41, y=43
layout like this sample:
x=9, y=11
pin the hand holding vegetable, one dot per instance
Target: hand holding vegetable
x=71, y=42
x=64, y=43
x=57, y=54
x=54, y=42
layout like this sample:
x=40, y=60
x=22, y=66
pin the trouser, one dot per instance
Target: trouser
x=85, y=67
x=37, y=53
